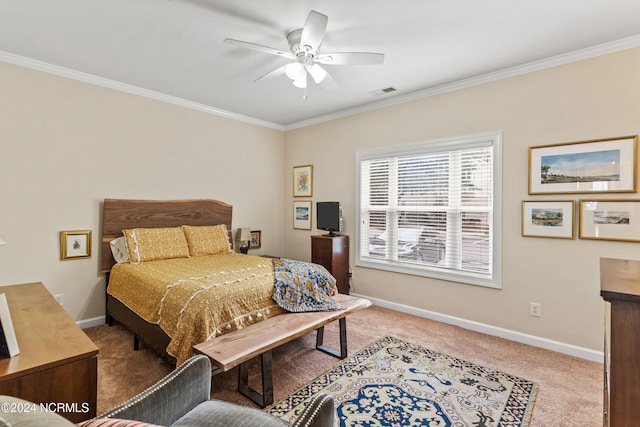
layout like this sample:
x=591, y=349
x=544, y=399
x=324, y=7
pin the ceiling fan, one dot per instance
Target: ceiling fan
x=304, y=45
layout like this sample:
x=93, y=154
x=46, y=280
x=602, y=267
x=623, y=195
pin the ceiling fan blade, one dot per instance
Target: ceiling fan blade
x=274, y=73
x=260, y=48
x=350, y=58
x=313, y=31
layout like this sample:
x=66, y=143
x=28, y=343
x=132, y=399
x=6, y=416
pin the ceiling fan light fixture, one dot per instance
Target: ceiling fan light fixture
x=306, y=57
x=317, y=72
x=294, y=70
x=301, y=81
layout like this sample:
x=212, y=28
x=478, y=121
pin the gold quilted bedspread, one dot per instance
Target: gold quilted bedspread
x=198, y=298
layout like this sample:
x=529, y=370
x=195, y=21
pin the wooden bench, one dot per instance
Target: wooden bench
x=239, y=347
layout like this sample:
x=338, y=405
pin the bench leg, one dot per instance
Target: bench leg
x=266, y=398
x=343, y=340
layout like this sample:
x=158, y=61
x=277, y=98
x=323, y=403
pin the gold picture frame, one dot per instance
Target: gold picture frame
x=302, y=215
x=303, y=181
x=75, y=244
x=548, y=218
x=594, y=166
x=610, y=219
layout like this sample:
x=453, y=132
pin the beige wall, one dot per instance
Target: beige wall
x=66, y=145
x=591, y=99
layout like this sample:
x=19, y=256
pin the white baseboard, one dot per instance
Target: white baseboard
x=572, y=350
x=89, y=323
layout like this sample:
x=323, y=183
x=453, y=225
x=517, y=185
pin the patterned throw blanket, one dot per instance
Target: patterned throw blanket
x=301, y=286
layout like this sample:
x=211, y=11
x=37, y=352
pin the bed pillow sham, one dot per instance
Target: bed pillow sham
x=150, y=244
x=119, y=249
x=207, y=239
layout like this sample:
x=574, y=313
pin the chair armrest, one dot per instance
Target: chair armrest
x=171, y=397
x=320, y=412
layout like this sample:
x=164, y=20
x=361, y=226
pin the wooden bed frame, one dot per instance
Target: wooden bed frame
x=120, y=214
x=235, y=348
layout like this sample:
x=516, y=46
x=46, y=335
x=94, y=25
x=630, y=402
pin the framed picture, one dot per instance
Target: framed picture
x=596, y=166
x=548, y=219
x=256, y=239
x=75, y=244
x=302, y=215
x=610, y=220
x=303, y=181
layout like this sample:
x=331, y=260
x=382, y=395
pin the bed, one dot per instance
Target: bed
x=181, y=283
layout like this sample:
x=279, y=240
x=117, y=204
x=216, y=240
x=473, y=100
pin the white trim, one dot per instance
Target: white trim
x=491, y=140
x=554, y=61
x=126, y=88
x=572, y=350
x=90, y=323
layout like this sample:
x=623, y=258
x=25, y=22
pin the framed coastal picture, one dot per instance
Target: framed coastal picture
x=596, y=166
x=302, y=215
x=303, y=181
x=548, y=218
x=75, y=244
x=610, y=220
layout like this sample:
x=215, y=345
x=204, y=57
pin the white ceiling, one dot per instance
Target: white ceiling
x=174, y=48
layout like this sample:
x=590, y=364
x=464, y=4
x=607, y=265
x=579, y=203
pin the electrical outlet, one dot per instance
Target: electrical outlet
x=59, y=298
x=535, y=309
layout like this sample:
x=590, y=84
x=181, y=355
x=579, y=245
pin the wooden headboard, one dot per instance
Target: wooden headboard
x=119, y=214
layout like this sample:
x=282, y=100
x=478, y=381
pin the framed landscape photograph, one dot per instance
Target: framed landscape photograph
x=75, y=244
x=302, y=215
x=548, y=219
x=610, y=220
x=596, y=166
x=303, y=181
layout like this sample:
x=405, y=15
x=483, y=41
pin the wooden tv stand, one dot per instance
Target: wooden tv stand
x=332, y=252
x=58, y=364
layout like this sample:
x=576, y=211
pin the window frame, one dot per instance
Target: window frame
x=490, y=139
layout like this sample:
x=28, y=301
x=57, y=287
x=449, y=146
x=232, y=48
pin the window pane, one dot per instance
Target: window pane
x=429, y=209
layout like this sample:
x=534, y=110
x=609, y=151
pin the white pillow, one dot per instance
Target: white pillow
x=119, y=250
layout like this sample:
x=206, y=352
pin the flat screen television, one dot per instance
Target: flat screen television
x=329, y=217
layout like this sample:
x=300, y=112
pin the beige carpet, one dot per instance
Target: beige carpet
x=570, y=392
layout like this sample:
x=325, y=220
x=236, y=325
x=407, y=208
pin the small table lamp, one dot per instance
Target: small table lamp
x=245, y=237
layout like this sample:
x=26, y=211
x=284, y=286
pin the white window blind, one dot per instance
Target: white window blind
x=432, y=209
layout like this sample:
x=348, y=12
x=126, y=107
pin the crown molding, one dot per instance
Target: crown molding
x=554, y=61
x=123, y=87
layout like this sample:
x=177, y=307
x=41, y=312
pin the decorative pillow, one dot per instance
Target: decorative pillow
x=114, y=422
x=207, y=239
x=119, y=249
x=150, y=244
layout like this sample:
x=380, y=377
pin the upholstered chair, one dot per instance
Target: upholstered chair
x=181, y=399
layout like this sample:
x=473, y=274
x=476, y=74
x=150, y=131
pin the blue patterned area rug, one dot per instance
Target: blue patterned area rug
x=395, y=383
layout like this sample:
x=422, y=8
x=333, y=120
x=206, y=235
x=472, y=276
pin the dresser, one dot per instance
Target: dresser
x=620, y=288
x=58, y=364
x=332, y=252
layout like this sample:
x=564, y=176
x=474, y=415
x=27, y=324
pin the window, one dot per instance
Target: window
x=432, y=209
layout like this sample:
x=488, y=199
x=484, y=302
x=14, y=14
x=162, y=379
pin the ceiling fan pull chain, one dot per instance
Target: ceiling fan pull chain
x=304, y=94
